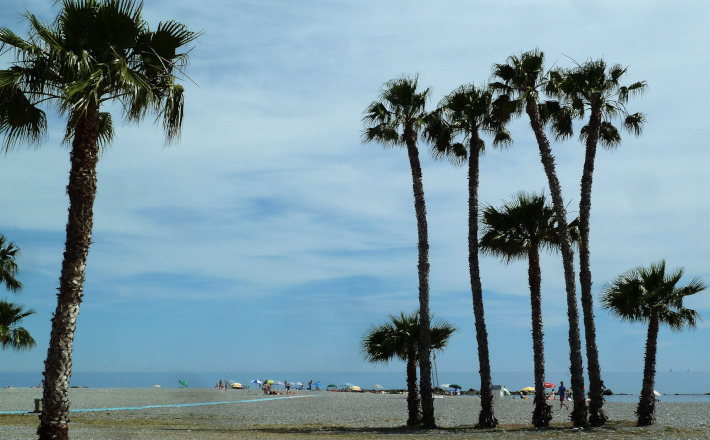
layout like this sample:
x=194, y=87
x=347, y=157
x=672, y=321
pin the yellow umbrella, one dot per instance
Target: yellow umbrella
x=528, y=389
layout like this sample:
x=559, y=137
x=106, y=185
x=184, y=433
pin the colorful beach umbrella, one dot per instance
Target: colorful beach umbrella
x=355, y=388
x=377, y=386
x=257, y=381
x=237, y=385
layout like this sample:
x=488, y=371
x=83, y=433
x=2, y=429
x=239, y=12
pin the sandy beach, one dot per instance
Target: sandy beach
x=163, y=413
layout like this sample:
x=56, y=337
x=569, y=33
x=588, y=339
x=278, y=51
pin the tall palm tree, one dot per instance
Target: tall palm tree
x=520, y=82
x=8, y=266
x=399, y=338
x=650, y=295
x=397, y=119
x=595, y=88
x=94, y=53
x=465, y=114
x=518, y=230
x=11, y=334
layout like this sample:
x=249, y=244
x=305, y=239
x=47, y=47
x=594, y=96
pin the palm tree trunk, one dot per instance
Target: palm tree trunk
x=486, y=418
x=579, y=412
x=542, y=414
x=428, y=420
x=414, y=403
x=596, y=396
x=647, y=402
x=54, y=419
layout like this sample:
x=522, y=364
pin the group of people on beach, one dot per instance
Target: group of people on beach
x=562, y=393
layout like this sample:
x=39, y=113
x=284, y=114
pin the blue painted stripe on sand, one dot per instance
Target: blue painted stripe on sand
x=180, y=405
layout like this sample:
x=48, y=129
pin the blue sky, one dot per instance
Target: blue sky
x=270, y=238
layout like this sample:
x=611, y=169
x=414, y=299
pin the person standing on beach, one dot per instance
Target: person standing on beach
x=562, y=391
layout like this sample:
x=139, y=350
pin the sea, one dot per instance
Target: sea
x=674, y=386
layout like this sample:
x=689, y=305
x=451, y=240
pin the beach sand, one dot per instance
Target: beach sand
x=212, y=414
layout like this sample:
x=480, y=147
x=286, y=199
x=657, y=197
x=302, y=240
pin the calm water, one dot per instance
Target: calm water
x=691, y=385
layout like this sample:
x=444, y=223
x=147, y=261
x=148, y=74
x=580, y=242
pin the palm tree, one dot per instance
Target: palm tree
x=650, y=295
x=95, y=52
x=8, y=265
x=518, y=230
x=11, y=315
x=595, y=88
x=520, y=82
x=396, y=119
x=11, y=334
x=465, y=113
x=399, y=338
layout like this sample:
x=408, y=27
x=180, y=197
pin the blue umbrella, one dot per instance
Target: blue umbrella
x=318, y=384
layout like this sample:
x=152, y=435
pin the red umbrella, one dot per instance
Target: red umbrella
x=550, y=385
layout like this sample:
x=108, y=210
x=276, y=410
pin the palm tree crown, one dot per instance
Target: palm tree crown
x=646, y=293
x=399, y=338
x=527, y=222
x=96, y=51
x=8, y=266
x=11, y=334
x=595, y=87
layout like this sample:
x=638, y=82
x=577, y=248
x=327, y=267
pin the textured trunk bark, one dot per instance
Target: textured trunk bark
x=596, y=396
x=54, y=419
x=579, y=412
x=542, y=414
x=414, y=403
x=428, y=420
x=647, y=402
x=486, y=418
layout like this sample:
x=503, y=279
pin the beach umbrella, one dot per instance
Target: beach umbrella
x=318, y=384
x=346, y=385
x=355, y=388
x=550, y=385
x=453, y=385
x=444, y=385
x=377, y=386
x=332, y=385
x=270, y=381
x=257, y=381
x=528, y=389
x=506, y=392
x=183, y=383
x=298, y=384
x=656, y=393
x=237, y=385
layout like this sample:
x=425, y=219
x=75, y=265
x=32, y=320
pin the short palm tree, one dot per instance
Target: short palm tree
x=650, y=295
x=94, y=53
x=399, y=338
x=455, y=130
x=8, y=266
x=518, y=230
x=520, y=83
x=396, y=120
x=595, y=88
x=11, y=334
